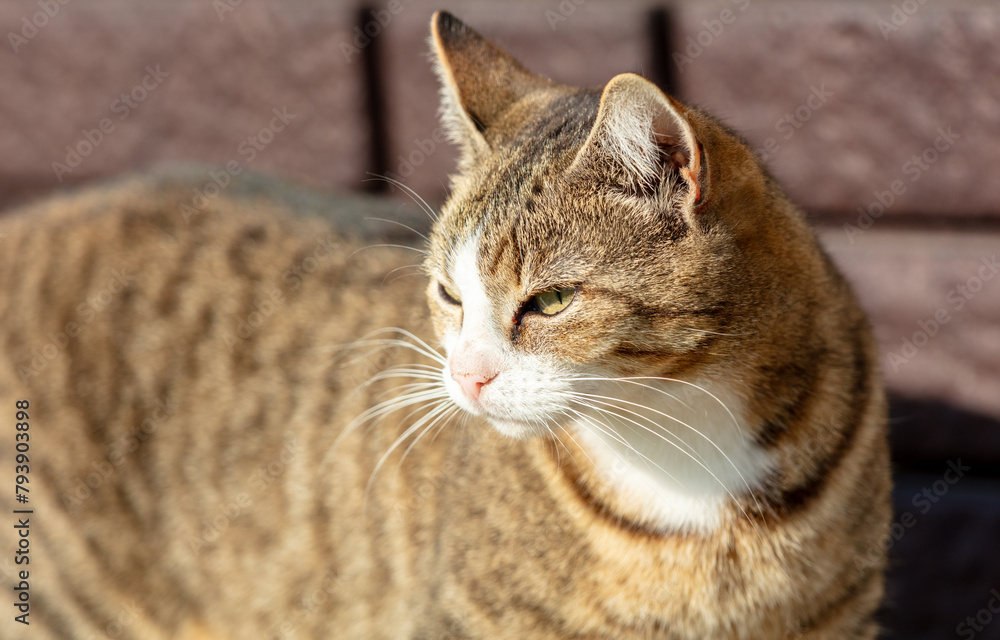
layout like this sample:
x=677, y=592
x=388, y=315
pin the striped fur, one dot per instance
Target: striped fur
x=208, y=461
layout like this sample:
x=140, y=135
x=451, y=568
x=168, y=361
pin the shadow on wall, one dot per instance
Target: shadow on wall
x=944, y=577
x=925, y=432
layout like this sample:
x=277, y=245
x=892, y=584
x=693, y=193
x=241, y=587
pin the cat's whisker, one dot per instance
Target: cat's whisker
x=635, y=379
x=700, y=463
x=414, y=368
x=609, y=431
x=608, y=401
x=385, y=345
x=673, y=397
x=404, y=372
x=714, y=333
x=425, y=348
x=401, y=224
x=429, y=382
x=622, y=440
x=417, y=345
x=554, y=441
x=426, y=393
x=384, y=408
x=386, y=245
x=401, y=401
x=549, y=423
x=435, y=412
x=454, y=410
x=419, y=267
x=739, y=473
x=367, y=349
x=408, y=191
x=436, y=426
x=429, y=413
x=699, y=460
x=569, y=435
x=682, y=423
x=415, y=386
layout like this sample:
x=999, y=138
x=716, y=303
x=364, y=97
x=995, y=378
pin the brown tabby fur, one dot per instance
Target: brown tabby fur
x=219, y=507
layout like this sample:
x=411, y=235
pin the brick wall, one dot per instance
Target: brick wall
x=882, y=119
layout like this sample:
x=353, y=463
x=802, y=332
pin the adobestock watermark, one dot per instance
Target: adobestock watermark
x=292, y=278
x=86, y=312
x=372, y=28
x=425, y=490
x=248, y=149
x=122, y=106
x=363, y=367
x=126, y=616
x=900, y=15
x=424, y=149
x=471, y=449
x=257, y=483
x=225, y=7
x=38, y=20
x=922, y=501
x=977, y=623
x=713, y=28
x=262, y=309
x=792, y=121
x=309, y=605
x=85, y=486
x=564, y=10
x=914, y=168
x=957, y=298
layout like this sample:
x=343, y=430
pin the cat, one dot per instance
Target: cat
x=634, y=398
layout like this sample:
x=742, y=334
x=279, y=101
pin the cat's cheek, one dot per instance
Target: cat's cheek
x=448, y=334
x=447, y=324
x=577, y=341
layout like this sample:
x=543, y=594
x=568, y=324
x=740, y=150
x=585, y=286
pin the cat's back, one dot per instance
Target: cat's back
x=191, y=287
x=185, y=375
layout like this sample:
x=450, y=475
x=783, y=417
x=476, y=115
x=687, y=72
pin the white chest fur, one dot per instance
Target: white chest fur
x=674, y=452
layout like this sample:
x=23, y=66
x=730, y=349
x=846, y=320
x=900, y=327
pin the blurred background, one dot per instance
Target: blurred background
x=881, y=119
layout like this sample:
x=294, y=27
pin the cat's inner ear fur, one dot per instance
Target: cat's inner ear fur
x=479, y=83
x=643, y=139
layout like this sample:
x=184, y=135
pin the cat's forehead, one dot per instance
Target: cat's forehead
x=526, y=214
x=552, y=235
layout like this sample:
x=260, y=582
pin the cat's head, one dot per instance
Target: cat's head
x=590, y=233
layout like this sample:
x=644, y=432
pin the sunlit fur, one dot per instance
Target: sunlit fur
x=694, y=448
x=713, y=368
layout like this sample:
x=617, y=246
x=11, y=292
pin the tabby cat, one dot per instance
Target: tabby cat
x=644, y=403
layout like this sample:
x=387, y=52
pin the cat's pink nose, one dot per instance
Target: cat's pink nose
x=472, y=383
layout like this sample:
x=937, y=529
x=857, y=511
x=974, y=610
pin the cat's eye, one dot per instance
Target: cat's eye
x=448, y=294
x=552, y=301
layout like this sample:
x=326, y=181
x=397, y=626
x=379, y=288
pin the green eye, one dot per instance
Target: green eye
x=553, y=301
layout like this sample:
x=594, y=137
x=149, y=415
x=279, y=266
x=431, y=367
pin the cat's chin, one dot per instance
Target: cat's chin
x=518, y=430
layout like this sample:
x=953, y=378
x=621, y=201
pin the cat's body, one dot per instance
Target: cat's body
x=245, y=507
x=178, y=438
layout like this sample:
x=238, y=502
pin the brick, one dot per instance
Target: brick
x=226, y=74
x=593, y=44
x=889, y=96
x=915, y=284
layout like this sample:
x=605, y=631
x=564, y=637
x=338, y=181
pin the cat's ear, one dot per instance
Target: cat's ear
x=479, y=82
x=640, y=135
